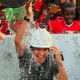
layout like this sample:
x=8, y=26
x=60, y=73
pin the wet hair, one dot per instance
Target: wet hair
x=67, y=5
x=32, y=48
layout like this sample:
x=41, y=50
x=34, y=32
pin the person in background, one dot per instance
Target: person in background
x=4, y=23
x=67, y=24
x=40, y=6
x=53, y=12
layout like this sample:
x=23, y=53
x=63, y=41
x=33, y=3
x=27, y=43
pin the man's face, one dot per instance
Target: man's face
x=69, y=14
x=40, y=54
